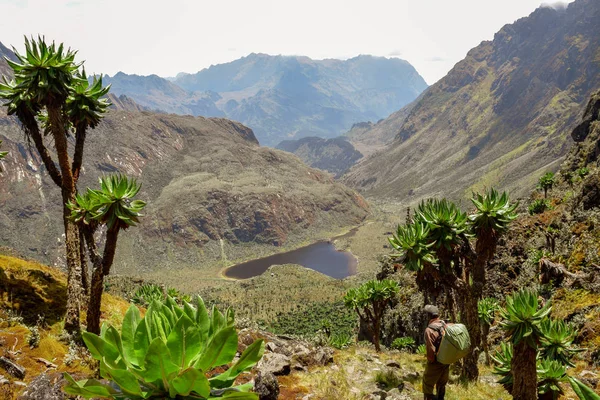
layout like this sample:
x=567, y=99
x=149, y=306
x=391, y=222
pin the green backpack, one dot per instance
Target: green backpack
x=455, y=343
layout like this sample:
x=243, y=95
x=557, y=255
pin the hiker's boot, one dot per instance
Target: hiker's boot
x=441, y=393
x=429, y=397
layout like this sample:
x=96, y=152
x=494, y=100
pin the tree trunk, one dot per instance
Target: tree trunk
x=485, y=331
x=470, y=370
x=101, y=269
x=85, y=285
x=524, y=372
x=377, y=334
x=72, y=324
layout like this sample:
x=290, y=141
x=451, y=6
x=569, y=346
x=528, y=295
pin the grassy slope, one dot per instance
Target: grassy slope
x=29, y=289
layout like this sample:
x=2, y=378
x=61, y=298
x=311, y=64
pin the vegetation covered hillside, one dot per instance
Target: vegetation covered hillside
x=214, y=196
x=500, y=117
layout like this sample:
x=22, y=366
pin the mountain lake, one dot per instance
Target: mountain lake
x=321, y=256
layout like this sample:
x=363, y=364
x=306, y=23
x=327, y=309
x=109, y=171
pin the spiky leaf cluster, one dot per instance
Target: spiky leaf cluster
x=583, y=392
x=557, y=341
x=48, y=76
x=85, y=104
x=546, y=181
x=369, y=292
x=550, y=374
x=493, y=212
x=43, y=75
x=538, y=206
x=446, y=222
x=486, y=310
x=413, y=242
x=523, y=316
x=111, y=205
x=168, y=354
x=503, y=364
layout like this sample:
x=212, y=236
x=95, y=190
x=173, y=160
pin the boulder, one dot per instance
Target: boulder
x=266, y=386
x=44, y=387
x=274, y=363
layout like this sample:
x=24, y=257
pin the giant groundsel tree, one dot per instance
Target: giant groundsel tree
x=52, y=97
x=113, y=207
x=438, y=246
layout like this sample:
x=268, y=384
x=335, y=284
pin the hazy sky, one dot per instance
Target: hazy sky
x=167, y=37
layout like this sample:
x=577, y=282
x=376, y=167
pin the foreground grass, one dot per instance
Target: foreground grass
x=357, y=370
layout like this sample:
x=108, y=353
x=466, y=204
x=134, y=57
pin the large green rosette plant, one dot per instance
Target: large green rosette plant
x=169, y=353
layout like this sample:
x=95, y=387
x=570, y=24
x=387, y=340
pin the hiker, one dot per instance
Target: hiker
x=436, y=374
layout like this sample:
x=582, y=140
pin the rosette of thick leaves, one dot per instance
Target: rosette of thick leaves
x=167, y=354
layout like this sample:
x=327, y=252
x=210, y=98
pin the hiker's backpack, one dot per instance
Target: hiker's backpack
x=455, y=342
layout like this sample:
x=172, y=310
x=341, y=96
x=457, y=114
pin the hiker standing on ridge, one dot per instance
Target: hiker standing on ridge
x=436, y=374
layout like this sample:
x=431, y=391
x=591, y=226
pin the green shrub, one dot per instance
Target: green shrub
x=582, y=172
x=538, y=206
x=147, y=293
x=421, y=349
x=370, y=301
x=340, y=340
x=486, y=309
x=168, y=354
x=403, y=343
x=546, y=182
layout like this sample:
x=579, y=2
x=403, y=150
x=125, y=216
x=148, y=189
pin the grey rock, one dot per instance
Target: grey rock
x=43, y=387
x=266, y=386
x=274, y=363
x=271, y=347
x=12, y=368
x=324, y=356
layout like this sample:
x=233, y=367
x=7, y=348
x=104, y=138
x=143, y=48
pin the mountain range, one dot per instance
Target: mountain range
x=283, y=97
x=501, y=117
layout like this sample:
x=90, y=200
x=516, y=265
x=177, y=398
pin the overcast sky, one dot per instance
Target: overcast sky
x=167, y=37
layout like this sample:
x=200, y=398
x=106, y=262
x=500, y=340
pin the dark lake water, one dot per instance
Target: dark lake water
x=320, y=256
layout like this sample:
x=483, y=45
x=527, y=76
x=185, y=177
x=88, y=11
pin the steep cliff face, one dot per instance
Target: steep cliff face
x=501, y=117
x=207, y=183
x=332, y=155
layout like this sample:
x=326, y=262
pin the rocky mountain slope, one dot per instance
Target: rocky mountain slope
x=501, y=116
x=282, y=97
x=209, y=187
x=335, y=155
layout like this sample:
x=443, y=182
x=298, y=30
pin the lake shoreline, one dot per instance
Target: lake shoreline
x=352, y=268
